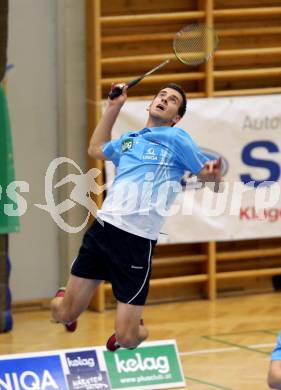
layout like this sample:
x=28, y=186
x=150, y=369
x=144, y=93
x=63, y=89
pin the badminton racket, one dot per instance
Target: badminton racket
x=193, y=45
x=117, y=91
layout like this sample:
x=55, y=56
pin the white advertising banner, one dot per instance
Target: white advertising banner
x=153, y=365
x=246, y=133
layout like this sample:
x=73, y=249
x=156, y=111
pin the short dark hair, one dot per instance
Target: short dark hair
x=179, y=89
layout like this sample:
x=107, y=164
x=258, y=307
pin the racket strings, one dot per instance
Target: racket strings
x=194, y=44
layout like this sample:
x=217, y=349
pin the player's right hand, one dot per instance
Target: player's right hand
x=121, y=91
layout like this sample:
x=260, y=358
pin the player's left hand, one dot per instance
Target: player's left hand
x=211, y=175
x=214, y=168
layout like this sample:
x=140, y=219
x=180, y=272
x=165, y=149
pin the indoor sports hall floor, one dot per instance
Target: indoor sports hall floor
x=223, y=345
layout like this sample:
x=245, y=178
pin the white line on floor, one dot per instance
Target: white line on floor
x=221, y=350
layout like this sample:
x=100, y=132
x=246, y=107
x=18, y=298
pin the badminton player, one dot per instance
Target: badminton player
x=119, y=245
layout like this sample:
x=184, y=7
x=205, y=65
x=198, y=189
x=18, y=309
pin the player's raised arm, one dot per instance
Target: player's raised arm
x=102, y=132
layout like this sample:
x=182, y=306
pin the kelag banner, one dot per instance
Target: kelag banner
x=246, y=133
x=155, y=365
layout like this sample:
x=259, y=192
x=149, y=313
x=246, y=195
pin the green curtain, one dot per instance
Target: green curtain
x=8, y=224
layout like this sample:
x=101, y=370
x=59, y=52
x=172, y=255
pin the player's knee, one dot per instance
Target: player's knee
x=62, y=313
x=55, y=306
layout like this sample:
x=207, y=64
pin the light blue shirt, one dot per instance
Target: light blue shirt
x=150, y=164
x=276, y=354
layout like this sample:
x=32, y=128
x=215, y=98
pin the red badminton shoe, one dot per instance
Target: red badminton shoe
x=70, y=326
x=112, y=344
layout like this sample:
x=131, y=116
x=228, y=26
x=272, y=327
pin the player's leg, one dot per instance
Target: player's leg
x=87, y=271
x=129, y=328
x=67, y=307
x=129, y=263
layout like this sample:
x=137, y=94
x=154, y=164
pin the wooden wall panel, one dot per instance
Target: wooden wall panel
x=130, y=7
x=225, y=4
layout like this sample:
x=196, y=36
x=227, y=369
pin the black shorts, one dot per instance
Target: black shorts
x=124, y=259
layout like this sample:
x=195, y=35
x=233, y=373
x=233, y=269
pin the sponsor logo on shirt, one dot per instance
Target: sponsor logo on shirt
x=151, y=153
x=127, y=144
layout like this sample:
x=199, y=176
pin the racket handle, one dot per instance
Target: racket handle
x=115, y=92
